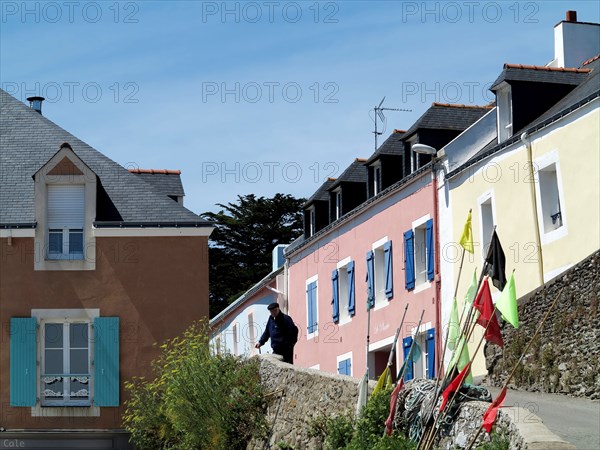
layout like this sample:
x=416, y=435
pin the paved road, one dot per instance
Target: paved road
x=575, y=420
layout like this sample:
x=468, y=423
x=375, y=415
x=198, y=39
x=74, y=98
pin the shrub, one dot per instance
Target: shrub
x=197, y=400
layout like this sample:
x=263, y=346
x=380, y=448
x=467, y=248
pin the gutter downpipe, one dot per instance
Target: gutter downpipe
x=437, y=275
x=526, y=140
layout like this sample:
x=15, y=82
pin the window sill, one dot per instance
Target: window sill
x=65, y=411
x=65, y=264
x=554, y=235
x=422, y=287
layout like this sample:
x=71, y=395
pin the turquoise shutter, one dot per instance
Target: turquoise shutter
x=351, y=297
x=409, y=259
x=408, y=373
x=106, y=361
x=389, y=271
x=344, y=367
x=335, y=300
x=23, y=361
x=431, y=353
x=429, y=249
x=312, y=307
x=348, y=367
x=370, y=280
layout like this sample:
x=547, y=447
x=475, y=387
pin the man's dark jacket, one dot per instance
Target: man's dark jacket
x=281, y=330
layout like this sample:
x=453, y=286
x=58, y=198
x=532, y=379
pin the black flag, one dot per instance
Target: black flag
x=496, y=268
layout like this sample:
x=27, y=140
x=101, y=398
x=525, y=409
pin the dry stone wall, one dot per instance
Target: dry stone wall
x=566, y=357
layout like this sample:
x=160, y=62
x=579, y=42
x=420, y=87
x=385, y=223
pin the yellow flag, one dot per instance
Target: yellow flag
x=383, y=381
x=466, y=240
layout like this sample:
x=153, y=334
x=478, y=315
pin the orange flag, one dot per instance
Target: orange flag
x=454, y=385
x=489, y=417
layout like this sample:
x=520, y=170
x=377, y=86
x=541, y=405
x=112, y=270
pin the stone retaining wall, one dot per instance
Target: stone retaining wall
x=296, y=396
x=565, y=358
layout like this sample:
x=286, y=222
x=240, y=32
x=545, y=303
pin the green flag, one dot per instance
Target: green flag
x=507, y=303
x=415, y=352
x=472, y=291
x=453, y=326
x=460, y=361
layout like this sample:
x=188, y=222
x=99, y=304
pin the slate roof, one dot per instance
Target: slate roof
x=540, y=74
x=588, y=90
x=321, y=193
x=28, y=140
x=354, y=173
x=445, y=116
x=166, y=181
x=393, y=145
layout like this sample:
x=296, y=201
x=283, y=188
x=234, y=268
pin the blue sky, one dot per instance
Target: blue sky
x=260, y=97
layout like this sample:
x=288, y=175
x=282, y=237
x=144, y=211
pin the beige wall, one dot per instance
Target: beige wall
x=574, y=141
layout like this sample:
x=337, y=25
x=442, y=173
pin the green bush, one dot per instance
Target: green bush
x=344, y=432
x=197, y=400
x=498, y=442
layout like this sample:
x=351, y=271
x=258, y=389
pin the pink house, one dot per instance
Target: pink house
x=371, y=235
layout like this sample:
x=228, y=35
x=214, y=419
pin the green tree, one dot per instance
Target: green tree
x=241, y=244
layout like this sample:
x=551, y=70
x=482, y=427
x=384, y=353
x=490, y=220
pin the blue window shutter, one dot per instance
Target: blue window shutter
x=431, y=353
x=342, y=367
x=106, y=361
x=309, y=306
x=408, y=373
x=389, y=269
x=429, y=249
x=351, y=297
x=335, y=294
x=349, y=367
x=409, y=259
x=370, y=279
x=23, y=358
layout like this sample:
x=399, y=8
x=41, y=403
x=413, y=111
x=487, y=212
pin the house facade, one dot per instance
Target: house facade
x=371, y=238
x=530, y=171
x=97, y=266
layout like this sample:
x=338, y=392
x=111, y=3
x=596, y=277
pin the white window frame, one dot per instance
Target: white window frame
x=342, y=267
x=377, y=182
x=56, y=316
x=420, y=335
x=343, y=357
x=381, y=300
x=504, y=112
x=313, y=279
x=338, y=202
x=539, y=164
x=484, y=198
x=420, y=224
x=65, y=253
x=312, y=223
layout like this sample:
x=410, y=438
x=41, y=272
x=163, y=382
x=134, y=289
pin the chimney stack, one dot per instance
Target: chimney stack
x=575, y=42
x=571, y=16
x=35, y=103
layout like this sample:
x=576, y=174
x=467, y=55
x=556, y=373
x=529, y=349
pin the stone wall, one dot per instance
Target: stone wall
x=565, y=357
x=296, y=396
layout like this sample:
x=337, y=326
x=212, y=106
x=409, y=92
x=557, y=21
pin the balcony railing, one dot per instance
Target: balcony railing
x=65, y=389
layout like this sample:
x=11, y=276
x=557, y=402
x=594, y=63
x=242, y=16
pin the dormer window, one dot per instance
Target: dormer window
x=312, y=220
x=66, y=218
x=505, y=113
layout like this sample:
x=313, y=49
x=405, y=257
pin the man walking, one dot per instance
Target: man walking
x=283, y=333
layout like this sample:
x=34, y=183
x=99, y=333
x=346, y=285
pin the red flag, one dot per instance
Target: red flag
x=484, y=305
x=393, y=400
x=455, y=385
x=489, y=417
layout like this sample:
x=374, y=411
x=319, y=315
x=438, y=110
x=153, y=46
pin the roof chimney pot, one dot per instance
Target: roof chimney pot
x=35, y=103
x=571, y=16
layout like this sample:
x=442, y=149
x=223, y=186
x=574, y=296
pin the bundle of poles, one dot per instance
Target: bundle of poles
x=433, y=422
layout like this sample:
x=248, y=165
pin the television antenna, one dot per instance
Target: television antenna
x=379, y=113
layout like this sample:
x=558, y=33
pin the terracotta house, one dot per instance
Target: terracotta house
x=98, y=263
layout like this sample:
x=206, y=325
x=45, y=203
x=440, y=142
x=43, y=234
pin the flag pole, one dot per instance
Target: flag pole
x=409, y=354
x=523, y=353
x=393, y=350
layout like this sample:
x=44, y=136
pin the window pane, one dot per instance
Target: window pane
x=75, y=241
x=53, y=335
x=78, y=335
x=79, y=361
x=55, y=241
x=53, y=361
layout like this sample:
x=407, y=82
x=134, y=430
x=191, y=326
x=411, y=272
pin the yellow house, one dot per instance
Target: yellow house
x=539, y=187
